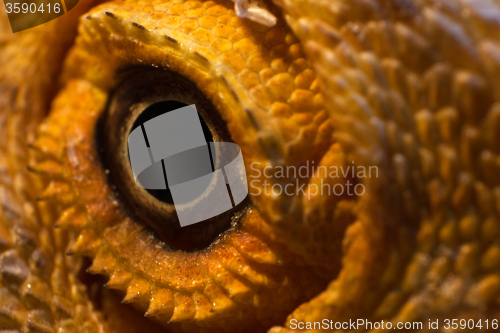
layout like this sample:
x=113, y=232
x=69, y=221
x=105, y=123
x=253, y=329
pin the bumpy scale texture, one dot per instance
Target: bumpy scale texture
x=411, y=87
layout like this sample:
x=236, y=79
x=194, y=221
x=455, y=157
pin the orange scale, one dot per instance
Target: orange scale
x=211, y=266
x=281, y=110
x=184, y=307
x=254, y=249
x=266, y=74
x=202, y=36
x=161, y=303
x=282, y=86
x=176, y=9
x=234, y=61
x=237, y=21
x=224, y=30
x=235, y=288
x=258, y=62
x=294, y=51
x=305, y=79
x=204, y=307
x=208, y=4
x=246, y=47
x=244, y=30
x=219, y=299
x=193, y=4
x=216, y=10
x=188, y=26
x=258, y=38
x=234, y=38
x=157, y=16
x=103, y=214
x=208, y=22
x=234, y=262
x=260, y=95
x=140, y=251
x=225, y=19
x=249, y=78
x=159, y=270
x=302, y=100
x=220, y=45
x=194, y=13
x=184, y=275
x=117, y=235
x=170, y=22
x=275, y=37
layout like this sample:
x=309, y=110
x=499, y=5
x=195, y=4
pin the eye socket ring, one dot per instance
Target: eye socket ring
x=140, y=89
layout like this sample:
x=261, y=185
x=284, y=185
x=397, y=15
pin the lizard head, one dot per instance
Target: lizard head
x=368, y=131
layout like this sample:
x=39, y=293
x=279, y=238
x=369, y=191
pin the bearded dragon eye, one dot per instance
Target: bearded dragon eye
x=144, y=95
x=155, y=188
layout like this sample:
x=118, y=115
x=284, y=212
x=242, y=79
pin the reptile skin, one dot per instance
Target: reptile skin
x=409, y=86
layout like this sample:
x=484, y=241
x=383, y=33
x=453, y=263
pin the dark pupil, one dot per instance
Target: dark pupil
x=154, y=111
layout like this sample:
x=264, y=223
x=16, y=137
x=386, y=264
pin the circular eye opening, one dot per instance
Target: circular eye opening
x=143, y=94
x=156, y=110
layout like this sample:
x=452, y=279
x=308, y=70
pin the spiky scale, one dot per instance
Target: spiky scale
x=237, y=290
x=13, y=269
x=12, y=312
x=219, y=299
x=58, y=189
x=11, y=207
x=119, y=279
x=35, y=293
x=103, y=263
x=5, y=239
x=255, y=249
x=184, y=308
x=87, y=243
x=204, y=308
x=235, y=263
x=47, y=147
x=137, y=291
x=48, y=168
x=38, y=321
x=161, y=303
x=41, y=263
x=61, y=307
x=26, y=239
x=73, y=218
x=186, y=276
x=59, y=280
x=68, y=326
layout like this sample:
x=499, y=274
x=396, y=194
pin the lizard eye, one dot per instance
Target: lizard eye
x=136, y=109
x=158, y=187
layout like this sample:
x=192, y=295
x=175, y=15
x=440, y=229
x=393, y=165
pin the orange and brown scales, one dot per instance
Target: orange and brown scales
x=410, y=87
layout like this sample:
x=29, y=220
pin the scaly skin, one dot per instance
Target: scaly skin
x=408, y=86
